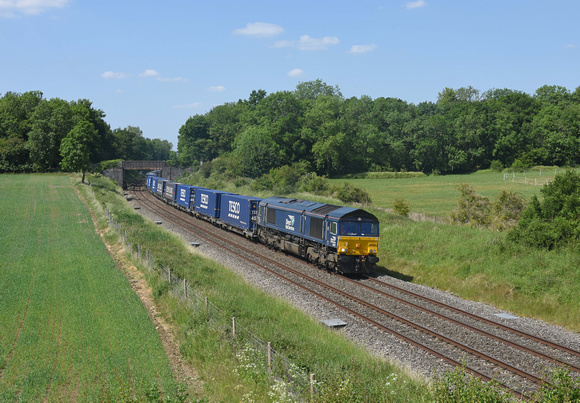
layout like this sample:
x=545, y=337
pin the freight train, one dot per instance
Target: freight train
x=337, y=238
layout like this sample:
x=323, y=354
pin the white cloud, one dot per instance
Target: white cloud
x=159, y=77
x=9, y=8
x=296, y=73
x=362, y=48
x=308, y=43
x=112, y=74
x=149, y=73
x=217, y=88
x=415, y=4
x=261, y=29
x=570, y=46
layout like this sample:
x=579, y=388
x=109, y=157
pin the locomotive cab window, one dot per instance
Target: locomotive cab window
x=333, y=228
x=348, y=228
x=369, y=228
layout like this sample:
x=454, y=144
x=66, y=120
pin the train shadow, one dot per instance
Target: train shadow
x=381, y=271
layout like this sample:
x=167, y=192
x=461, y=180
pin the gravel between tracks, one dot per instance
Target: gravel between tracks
x=361, y=333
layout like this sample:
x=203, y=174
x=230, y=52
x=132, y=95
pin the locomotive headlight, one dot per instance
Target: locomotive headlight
x=344, y=250
x=372, y=251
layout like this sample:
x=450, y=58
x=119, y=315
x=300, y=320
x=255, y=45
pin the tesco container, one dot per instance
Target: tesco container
x=239, y=211
x=185, y=196
x=207, y=203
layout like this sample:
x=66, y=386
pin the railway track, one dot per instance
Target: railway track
x=450, y=334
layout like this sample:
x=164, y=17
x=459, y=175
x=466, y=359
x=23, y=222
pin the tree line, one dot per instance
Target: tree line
x=314, y=125
x=42, y=135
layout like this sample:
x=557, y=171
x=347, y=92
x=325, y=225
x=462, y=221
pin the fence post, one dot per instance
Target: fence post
x=206, y=304
x=169, y=274
x=312, y=387
x=185, y=288
x=269, y=356
x=234, y=327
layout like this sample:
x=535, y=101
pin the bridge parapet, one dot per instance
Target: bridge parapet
x=143, y=165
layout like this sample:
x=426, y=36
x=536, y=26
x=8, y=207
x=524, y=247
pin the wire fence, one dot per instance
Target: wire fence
x=248, y=345
x=534, y=178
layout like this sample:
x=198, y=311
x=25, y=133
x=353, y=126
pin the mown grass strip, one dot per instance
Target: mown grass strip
x=82, y=334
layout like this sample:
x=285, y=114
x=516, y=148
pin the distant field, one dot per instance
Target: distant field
x=71, y=328
x=437, y=195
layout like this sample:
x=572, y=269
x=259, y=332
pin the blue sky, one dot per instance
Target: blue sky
x=153, y=64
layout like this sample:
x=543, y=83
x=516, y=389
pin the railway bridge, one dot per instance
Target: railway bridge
x=118, y=174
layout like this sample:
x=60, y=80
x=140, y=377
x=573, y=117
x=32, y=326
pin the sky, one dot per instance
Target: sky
x=154, y=64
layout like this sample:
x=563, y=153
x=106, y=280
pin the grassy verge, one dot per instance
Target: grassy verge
x=71, y=328
x=344, y=372
x=481, y=265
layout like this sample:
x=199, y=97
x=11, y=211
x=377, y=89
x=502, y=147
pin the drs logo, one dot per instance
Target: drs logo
x=183, y=193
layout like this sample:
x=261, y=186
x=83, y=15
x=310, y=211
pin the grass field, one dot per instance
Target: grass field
x=71, y=328
x=437, y=195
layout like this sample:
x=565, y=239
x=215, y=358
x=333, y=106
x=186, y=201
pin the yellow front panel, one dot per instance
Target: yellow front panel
x=357, y=245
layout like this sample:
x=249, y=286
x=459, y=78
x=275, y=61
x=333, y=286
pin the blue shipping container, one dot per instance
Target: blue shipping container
x=207, y=202
x=154, y=181
x=149, y=179
x=185, y=197
x=240, y=211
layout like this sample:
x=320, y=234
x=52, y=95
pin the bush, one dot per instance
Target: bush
x=507, y=209
x=519, y=166
x=459, y=386
x=496, y=166
x=478, y=211
x=562, y=388
x=313, y=183
x=555, y=220
x=401, y=207
x=472, y=208
x=263, y=183
x=285, y=178
x=348, y=193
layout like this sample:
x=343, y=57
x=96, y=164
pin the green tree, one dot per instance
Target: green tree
x=102, y=148
x=75, y=148
x=15, y=124
x=256, y=151
x=224, y=124
x=193, y=143
x=51, y=121
x=555, y=220
x=312, y=89
x=555, y=135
